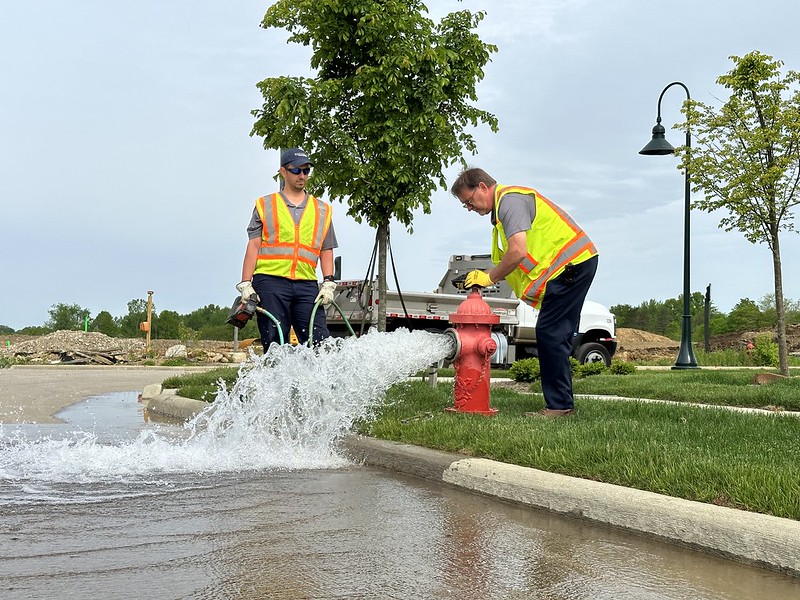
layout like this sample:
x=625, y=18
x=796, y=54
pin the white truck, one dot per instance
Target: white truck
x=515, y=334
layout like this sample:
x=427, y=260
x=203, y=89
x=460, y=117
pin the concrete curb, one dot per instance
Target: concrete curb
x=761, y=540
x=166, y=403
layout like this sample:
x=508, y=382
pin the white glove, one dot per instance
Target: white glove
x=326, y=291
x=246, y=290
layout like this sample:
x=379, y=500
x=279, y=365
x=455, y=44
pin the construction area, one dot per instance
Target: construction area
x=93, y=348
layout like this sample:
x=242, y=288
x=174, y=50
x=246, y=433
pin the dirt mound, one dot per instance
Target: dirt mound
x=636, y=344
x=631, y=339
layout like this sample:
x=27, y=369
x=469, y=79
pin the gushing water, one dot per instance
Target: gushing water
x=285, y=411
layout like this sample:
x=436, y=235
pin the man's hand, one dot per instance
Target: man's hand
x=246, y=290
x=326, y=292
x=478, y=278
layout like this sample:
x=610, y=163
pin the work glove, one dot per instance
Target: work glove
x=246, y=290
x=326, y=291
x=479, y=278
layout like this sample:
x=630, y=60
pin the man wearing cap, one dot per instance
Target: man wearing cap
x=290, y=231
x=547, y=260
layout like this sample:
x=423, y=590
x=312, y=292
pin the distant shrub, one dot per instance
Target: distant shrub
x=174, y=362
x=588, y=369
x=621, y=367
x=526, y=369
x=765, y=352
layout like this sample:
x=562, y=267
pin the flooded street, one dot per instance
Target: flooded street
x=343, y=533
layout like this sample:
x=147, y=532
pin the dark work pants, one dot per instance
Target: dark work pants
x=556, y=326
x=291, y=301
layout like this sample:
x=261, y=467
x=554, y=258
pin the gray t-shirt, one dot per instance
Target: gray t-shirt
x=255, y=226
x=517, y=212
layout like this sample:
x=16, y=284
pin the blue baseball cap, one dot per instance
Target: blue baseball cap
x=296, y=157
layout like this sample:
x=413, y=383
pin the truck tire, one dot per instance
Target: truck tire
x=593, y=352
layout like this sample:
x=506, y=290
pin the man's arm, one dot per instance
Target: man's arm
x=326, y=261
x=250, y=258
x=517, y=249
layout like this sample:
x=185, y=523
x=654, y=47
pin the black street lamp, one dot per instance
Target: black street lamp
x=659, y=146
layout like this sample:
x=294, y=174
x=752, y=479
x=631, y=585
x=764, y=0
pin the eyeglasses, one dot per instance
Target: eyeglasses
x=468, y=202
x=298, y=170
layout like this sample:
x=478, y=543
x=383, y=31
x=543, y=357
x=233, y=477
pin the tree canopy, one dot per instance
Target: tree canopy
x=387, y=108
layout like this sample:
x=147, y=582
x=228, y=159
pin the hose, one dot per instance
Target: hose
x=313, y=314
x=274, y=320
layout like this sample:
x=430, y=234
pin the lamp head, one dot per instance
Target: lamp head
x=658, y=146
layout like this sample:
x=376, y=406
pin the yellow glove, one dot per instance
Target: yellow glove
x=478, y=278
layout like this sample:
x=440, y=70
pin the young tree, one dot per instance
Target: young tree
x=747, y=160
x=387, y=108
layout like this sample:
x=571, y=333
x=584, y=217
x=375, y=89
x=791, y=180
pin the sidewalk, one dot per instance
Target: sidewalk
x=761, y=540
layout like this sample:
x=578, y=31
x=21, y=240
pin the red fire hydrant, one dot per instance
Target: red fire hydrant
x=472, y=352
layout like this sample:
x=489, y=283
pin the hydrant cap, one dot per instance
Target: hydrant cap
x=474, y=310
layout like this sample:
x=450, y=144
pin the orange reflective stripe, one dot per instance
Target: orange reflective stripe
x=569, y=253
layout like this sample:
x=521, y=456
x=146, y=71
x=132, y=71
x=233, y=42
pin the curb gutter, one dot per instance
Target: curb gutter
x=762, y=540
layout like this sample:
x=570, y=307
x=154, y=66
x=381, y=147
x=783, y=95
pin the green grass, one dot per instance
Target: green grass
x=751, y=462
x=202, y=385
x=706, y=386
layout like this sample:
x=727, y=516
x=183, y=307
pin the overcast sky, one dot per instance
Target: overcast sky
x=126, y=163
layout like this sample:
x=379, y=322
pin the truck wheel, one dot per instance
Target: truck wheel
x=593, y=352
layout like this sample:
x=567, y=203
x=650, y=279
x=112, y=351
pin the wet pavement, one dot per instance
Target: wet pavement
x=343, y=532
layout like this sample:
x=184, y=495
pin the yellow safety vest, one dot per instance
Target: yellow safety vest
x=290, y=249
x=554, y=241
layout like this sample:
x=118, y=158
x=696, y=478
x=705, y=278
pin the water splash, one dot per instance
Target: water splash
x=295, y=401
x=285, y=411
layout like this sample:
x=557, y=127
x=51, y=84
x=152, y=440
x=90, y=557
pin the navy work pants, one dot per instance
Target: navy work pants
x=291, y=301
x=556, y=326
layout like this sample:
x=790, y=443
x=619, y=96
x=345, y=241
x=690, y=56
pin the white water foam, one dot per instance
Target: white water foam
x=285, y=411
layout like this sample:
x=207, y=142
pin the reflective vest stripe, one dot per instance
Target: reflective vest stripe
x=290, y=249
x=567, y=255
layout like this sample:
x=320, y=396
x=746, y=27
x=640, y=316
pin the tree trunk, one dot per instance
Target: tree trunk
x=780, y=307
x=383, y=235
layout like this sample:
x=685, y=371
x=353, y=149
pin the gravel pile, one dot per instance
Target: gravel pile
x=53, y=347
x=78, y=347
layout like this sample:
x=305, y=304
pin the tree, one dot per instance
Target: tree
x=387, y=109
x=137, y=313
x=169, y=323
x=747, y=160
x=104, y=323
x=5, y=329
x=66, y=316
x=745, y=316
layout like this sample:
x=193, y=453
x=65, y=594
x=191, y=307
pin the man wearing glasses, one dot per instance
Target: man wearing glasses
x=290, y=231
x=548, y=261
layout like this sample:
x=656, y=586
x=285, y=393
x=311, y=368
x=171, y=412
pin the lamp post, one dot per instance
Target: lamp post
x=659, y=146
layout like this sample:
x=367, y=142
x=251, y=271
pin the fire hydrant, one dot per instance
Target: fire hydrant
x=473, y=348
